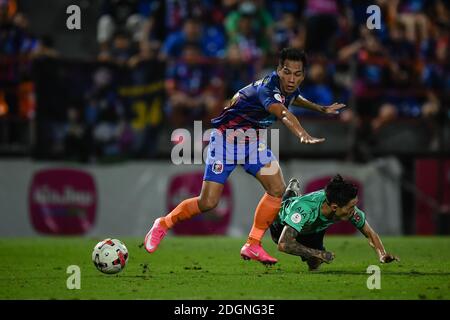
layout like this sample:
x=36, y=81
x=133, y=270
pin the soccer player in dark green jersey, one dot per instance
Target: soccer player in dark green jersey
x=303, y=219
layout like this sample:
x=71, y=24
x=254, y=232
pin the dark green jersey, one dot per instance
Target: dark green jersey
x=304, y=215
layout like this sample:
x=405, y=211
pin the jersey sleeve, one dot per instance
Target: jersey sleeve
x=300, y=96
x=268, y=94
x=358, y=219
x=296, y=217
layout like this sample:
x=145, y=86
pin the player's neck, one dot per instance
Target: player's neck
x=326, y=211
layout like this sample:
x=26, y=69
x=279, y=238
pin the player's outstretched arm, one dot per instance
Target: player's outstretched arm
x=331, y=109
x=290, y=121
x=288, y=244
x=377, y=245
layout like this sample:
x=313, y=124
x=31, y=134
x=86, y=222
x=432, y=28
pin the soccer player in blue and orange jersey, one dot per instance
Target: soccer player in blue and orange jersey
x=303, y=220
x=254, y=107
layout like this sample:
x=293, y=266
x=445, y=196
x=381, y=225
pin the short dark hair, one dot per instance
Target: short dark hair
x=292, y=54
x=340, y=191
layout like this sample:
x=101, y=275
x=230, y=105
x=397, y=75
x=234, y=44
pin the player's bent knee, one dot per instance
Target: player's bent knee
x=207, y=204
x=280, y=246
x=277, y=191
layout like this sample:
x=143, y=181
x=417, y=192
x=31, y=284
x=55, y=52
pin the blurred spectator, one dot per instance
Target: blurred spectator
x=252, y=18
x=246, y=39
x=119, y=15
x=399, y=46
x=371, y=57
x=26, y=99
x=17, y=44
x=288, y=32
x=229, y=5
x=75, y=140
x=106, y=117
x=210, y=12
x=153, y=28
x=8, y=9
x=179, y=11
x=278, y=8
x=215, y=47
x=402, y=56
x=315, y=88
x=15, y=37
x=426, y=109
x=192, y=88
x=441, y=13
x=146, y=108
x=45, y=48
x=146, y=53
x=211, y=41
x=237, y=72
x=410, y=13
x=321, y=25
x=121, y=49
x=4, y=108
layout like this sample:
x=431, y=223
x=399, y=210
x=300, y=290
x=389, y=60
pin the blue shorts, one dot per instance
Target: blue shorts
x=224, y=156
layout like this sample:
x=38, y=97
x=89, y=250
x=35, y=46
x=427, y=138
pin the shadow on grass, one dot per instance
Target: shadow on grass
x=259, y=273
x=395, y=273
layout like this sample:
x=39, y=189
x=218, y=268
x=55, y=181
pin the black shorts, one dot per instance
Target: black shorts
x=313, y=240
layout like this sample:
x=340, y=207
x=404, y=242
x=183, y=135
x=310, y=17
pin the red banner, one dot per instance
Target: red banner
x=433, y=180
x=216, y=221
x=62, y=201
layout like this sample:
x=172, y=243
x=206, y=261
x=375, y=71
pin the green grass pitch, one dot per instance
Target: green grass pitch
x=211, y=268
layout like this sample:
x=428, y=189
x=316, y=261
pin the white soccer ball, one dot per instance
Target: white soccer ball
x=110, y=256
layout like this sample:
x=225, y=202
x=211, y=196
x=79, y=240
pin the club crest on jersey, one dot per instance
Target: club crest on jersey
x=296, y=217
x=217, y=167
x=279, y=97
x=261, y=146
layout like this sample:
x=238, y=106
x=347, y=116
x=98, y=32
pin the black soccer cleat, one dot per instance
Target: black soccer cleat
x=294, y=185
x=292, y=189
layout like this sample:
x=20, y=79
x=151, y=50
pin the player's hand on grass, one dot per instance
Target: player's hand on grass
x=327, y=256
x=334, y=108
x=387, y=258
x=306, y=138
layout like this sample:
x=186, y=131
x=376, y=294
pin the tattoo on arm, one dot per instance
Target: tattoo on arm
x=289, y=244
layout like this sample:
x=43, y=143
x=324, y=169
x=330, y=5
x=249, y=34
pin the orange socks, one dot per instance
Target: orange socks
x=265, y=213
x=185, y=210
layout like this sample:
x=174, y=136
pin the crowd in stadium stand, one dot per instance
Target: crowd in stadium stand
x=211, y=48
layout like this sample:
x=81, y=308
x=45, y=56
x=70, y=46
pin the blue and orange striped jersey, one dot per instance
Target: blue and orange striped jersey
x=249, y=106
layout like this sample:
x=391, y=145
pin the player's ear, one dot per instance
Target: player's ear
x=278, y=70
x=334, y=206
